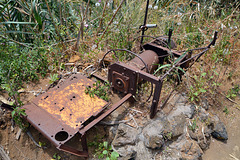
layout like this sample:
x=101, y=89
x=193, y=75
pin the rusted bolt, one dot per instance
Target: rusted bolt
x=124, y=69
x=131, y=89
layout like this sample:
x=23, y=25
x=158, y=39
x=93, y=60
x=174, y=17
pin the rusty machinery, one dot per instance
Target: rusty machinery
x=65, y=110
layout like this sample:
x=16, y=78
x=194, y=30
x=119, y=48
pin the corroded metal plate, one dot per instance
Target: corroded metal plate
x=62, y=110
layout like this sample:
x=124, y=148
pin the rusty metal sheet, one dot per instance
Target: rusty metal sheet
x=59, y=113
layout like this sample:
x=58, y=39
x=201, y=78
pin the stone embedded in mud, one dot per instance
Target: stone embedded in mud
x=219, y=131
x=187, y=110
x=153, y=134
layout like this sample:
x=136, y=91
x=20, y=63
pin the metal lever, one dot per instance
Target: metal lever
x=151, y=25
x=169, y=37
x=144, y=23
x=214, y=40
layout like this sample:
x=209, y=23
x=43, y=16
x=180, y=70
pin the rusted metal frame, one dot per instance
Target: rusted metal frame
x=82, y=131
x=113, y=50
x=195, y=56
x=157, y=91
x=126, y=71
x=155, y=48
x=174, y=66
x=101, y=78
x=83, y=153
x=155, y=38
x=169, y=38
x=145, y=22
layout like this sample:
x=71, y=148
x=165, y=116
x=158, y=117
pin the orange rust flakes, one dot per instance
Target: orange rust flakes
x=69, y=103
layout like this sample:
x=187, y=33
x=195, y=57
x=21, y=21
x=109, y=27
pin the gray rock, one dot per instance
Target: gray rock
x=189, y=149
x=187, y=110
x=152, y=134
x=170, y=154
x=218, y=128
x=219, y=131
x=174, y=126
x=203, y=114
x=143, y=153
x=127, y=152
x=204, y=103
x=202, y=136
x=125, y=135
x=178, y=98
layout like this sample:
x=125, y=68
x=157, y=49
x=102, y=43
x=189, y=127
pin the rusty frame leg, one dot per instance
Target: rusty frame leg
x=102, y=116
x=73, y=151
x=84, y=143
x=156, y=97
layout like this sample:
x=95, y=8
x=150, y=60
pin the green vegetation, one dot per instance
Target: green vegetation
x=232, y=93
x=99, y=90
x=56, y=157
x=104, y=150
x=17, y=114
x=193, y=126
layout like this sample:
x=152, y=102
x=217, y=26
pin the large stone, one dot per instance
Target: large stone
x=187, y=110
x=170, y=154
x=189, y=149
x=174, y=126
x=219, y=131
x=125, y=135
x=124, y=141
x=202, y=135
x=152, y=134
x=178, y=98
x=126, y=152
x=218, y=128
x=143, y=153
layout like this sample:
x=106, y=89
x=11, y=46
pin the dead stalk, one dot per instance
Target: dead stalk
x=111, y=21
x=100, y=23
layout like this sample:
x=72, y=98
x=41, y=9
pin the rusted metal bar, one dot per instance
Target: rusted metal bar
x=145, y=21
x=102, y=116
x=73, y=151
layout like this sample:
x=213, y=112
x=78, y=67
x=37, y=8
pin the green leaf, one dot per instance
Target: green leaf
x=202, y=90
x=105, y=152
x=107, y=158
x=105, y=144
x=114, y=155
x=163, y=66
x=179, y=58
x=195, y=93
x=13, y=113
x=13, y=22
x=192, y=98
x=203, y=74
